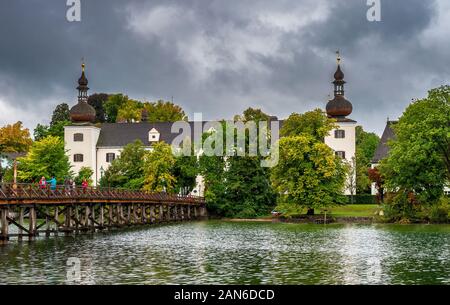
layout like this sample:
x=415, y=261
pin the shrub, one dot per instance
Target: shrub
x=438, y=212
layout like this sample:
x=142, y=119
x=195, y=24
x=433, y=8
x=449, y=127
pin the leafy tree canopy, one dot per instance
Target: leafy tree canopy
x=308, y=175
x=97, y=100
x=366, y=144
x=314, y=123
x=15, y=138
x=162, y=111
x=127, y=169
x=130, y=111
x=419, y=158
x=60, y=114
x=158, y=166
x=47, y=158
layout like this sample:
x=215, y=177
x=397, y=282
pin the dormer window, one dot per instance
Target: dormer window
x=78, y=137
x=153, y=135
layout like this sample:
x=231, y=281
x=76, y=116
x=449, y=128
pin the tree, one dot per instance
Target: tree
x=47, y=158
x=314, y=123
x=60, y=114
x=366, y=144
x=97, y=101
x=15, y=138
x=130, y=111
x=158, y=166
x=308, y=175
x=185, y=171
x=419, y=157
x=162, y=111
x=376, y=177
x=56, y=130
x=128, y=169
x=84, y=173
x=112, y=106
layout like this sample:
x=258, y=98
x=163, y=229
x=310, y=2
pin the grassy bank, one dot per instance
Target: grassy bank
x=354, y=210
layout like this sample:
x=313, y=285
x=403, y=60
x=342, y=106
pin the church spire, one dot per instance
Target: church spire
x=339, y=107
x=82, y=84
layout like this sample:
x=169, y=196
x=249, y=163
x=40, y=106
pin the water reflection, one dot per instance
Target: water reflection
x=217, y=252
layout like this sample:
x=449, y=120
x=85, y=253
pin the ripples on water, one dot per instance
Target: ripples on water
x=217, y=252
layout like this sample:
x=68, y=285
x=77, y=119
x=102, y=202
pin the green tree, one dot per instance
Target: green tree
x=112, y=106
x=158, y=169
x=162, y=111
x=47, y=158
x=419, y=158
x=366, y=144
x=60, y=114
x=97, y=100
x=185, y=171
x=313, y=123
x=128, y=169
x=84, y=173
x=308, y=175
x=15, y=138
x=130, y=111
x=55, y=130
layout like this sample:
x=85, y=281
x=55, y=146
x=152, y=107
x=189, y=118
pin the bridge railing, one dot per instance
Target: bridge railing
x=23, y=191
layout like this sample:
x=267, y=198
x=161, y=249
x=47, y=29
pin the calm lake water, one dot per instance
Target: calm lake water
x=219, y=252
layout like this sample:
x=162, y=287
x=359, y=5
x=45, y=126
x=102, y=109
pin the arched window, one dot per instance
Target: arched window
x=110, y=157
x=78, y=137
x=78, y=158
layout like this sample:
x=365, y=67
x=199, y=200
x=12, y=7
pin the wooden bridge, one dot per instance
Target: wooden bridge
x=32, y=210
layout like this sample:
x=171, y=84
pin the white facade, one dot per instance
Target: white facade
x=343, y=140
x=81, y=146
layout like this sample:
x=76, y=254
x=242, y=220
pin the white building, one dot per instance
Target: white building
x=96, y=146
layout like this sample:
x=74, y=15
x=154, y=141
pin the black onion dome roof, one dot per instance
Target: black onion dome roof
x=82, y=112
x=339, y=107
x=339, y=75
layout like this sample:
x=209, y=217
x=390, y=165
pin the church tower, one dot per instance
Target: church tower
x=82, y=135
x=342, y=139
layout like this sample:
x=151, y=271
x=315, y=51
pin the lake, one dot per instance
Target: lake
x=225, y=252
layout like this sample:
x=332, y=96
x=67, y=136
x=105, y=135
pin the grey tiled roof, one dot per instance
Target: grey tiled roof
x=383, y=149
x=121, y=134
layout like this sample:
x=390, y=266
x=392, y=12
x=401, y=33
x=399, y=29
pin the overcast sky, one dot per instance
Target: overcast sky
x=219, y=57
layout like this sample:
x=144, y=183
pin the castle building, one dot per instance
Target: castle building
x=97, y=145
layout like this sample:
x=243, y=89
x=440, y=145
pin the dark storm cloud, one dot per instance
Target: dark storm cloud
x=219, y=57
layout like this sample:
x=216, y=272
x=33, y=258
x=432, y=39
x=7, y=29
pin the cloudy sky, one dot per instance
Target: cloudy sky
x=219, y=57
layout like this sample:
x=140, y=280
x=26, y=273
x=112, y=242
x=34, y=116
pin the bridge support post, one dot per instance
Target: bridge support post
x=56, y=219
x=188, y=211
x=4, y=236
x=152, y=214
x=161, y=213
x=20, y=223
x=182, y=212
x=101, y=215
x=175, y=212
x=68, y=220
x=195, y=211
x=32, y=223
x=77, y=219
x=129, y=214
x=47, y=221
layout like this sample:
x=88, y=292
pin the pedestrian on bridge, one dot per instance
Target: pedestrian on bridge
x=84, y=185
x=52, y=183
x=43, y=183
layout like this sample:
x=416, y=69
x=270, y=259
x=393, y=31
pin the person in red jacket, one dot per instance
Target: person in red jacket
x=84, y=185
x=43, y=183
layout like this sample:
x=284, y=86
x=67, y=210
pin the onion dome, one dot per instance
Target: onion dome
x=82, y=112
x=339, y=106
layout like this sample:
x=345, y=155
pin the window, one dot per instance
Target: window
x=110, y=157
x=78, y=137
x=340, y=154
x=339, y=134
x=153, y=135
x=78, y=158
